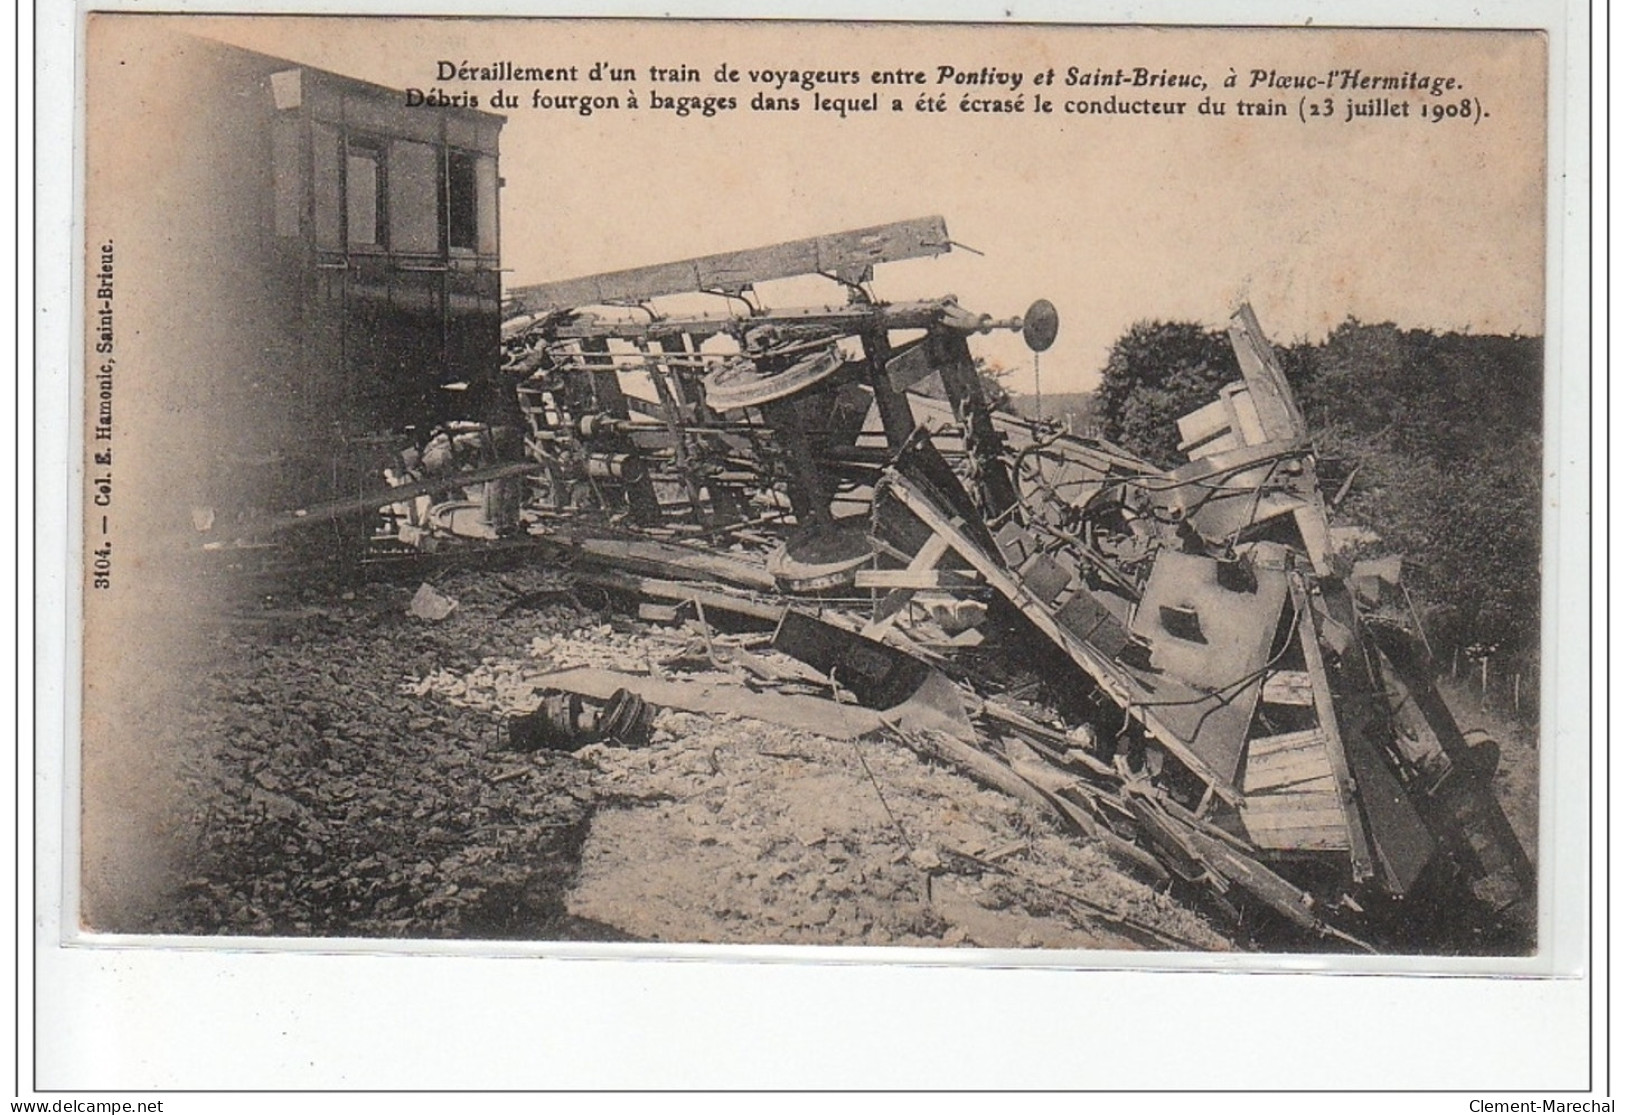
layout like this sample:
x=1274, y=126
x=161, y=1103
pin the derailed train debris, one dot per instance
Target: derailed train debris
x=1254, y=719
x=1251, y=685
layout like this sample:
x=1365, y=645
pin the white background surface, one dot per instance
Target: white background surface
x=221, y=1017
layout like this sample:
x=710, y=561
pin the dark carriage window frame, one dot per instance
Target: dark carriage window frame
x=460, y=201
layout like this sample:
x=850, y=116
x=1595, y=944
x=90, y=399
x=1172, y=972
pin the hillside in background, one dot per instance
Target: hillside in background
x=1078, y=407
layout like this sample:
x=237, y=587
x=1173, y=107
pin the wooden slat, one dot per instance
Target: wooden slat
x=1309, y=758
x=1298, y=819
x=1288, y=687
x=1287, y=754
x=914, y=578
x=1305, y=762
x=1291, y=800
x=1289, y=741
x=1257, y=827
x=1278, y=781
x=1318, y=784
x=1314, y=840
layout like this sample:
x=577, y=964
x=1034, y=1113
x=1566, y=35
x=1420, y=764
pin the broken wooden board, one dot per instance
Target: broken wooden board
x=1288, y=687
x=664, y=559
x=811, y=714
x=1293, y=803
x=1360, y=854
x=842, y=253
x=715, y=597
x=357, y=505
x=914, y=578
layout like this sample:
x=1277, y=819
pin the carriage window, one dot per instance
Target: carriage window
x=462, y=208
x=363, y=195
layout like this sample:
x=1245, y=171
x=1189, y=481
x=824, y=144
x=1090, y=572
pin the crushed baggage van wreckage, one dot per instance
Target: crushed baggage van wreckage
x=1243, y=717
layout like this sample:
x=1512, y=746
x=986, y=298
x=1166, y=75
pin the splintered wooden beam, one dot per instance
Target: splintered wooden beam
x=1272, y=398
x=915, y=578
x=681, y=592
x=844, y=254
x=663, y=559
x=383, y=497
x=1326, y=712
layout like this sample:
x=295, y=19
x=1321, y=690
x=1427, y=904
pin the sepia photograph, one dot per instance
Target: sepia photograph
x=1039, y=488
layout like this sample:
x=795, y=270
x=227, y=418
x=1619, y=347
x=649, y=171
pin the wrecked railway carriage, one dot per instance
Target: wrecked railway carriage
x=1256, y=722
x=328, y=257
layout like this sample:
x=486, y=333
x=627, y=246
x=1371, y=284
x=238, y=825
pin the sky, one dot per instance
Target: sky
x=1114, y=218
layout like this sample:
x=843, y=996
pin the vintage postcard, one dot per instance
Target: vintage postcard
x=1011, y=493
x=948, y=487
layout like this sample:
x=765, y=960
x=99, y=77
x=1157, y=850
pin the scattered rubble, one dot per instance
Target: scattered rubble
x=431, y=605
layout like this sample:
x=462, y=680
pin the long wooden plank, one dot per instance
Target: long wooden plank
x=1291, y=801
x=1282, y=837
x=1294, y=764
x=734, y=271
x=1359, y=844
x=1276, y=784
x=1322, y=814
x=1270, y=765
x=812, y=714
x=1318, y=840
x=1312, y=775
x=1301, y=819
x=664, y=559
x=681, y=591
x=1263, y=745
x=1289, y=754
x=913, y=578
x=1290, y=760
x=1309, y=830
x=1289, y=797
x=1312, y=825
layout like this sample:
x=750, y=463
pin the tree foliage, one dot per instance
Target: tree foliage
x=1446, y=431
x=1157, y=372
